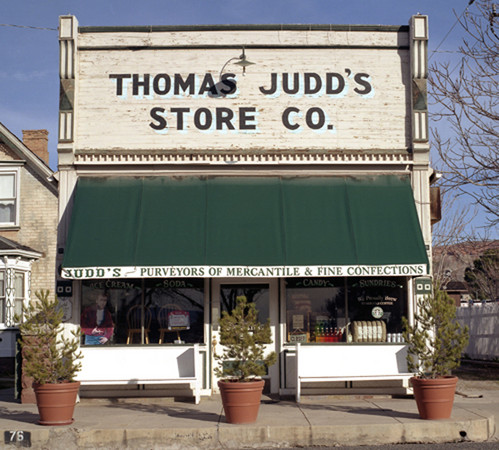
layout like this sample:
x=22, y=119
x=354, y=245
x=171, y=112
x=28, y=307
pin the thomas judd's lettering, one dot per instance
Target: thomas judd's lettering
x=244, y=118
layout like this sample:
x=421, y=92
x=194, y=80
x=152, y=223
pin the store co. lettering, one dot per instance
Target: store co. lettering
x=314, y=85
x=296, y=85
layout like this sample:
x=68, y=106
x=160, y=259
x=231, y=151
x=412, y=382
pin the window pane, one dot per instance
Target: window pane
x=7, y=212
x=255, y=293
x=372, y=301
x=315, y=309
x=105, y=307
x=19, y=285
x=18, y=307
x=121, y=312
x=177, y=310
x=2, y=310
x=7, y=186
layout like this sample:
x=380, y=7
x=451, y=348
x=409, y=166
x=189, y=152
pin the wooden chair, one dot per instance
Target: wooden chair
x=134, y=321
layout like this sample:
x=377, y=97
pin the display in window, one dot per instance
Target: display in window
x=315, y=310
x=139, y=311
x=173, y=320
x=324, y=331
x=375, y=308
x=178, y=310
x=96, y=321
x=368, y=331
x=331, y=310
x=299, y=329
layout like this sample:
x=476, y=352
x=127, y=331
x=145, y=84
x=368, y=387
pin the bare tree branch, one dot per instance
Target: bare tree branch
x=467, y=103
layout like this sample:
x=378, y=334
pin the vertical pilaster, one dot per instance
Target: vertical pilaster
x=419, y=71
x=68, y=31
x=68, y=74
x=419, y=123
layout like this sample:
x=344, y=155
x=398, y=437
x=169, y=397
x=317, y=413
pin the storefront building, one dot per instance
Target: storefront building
x=189, y=176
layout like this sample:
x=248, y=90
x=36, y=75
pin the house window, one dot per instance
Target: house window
x=12, y=295
x=19, y=293
x=8, y=198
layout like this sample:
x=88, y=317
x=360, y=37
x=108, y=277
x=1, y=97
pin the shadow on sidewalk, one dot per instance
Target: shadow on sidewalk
x=193, y=413
x=18, y=416
x=372, y=410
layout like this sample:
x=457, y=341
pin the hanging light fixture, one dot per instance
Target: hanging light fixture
x=241, y=61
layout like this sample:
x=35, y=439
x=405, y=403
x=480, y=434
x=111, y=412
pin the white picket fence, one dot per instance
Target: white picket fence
x=483, y=322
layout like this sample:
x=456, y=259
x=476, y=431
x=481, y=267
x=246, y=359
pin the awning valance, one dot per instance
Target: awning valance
x=243, y=227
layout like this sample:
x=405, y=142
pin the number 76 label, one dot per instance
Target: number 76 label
x=17, y=438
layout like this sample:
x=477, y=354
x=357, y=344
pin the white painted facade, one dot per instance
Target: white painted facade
x=137, y=101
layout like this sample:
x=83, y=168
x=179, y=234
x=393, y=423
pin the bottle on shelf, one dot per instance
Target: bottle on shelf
x=316, y=332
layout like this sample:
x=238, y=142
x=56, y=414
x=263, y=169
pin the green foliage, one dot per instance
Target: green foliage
x=48, y=356
x=437, y=340
x=244, y=339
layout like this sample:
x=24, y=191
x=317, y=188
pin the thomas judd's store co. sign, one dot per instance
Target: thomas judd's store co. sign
x=296, y=99
x=164, y=86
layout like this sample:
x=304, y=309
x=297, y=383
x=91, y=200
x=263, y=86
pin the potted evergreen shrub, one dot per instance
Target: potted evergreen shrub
x=50, y=358
x=243, y=361
x=435, y=344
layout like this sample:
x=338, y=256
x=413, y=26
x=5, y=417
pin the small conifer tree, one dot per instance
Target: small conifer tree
x=48, y=356
x=437, y=340
x=244, y=339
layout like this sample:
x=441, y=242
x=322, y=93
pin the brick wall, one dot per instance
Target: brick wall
x=38, y=230
x=38, y=224
x=37, y=142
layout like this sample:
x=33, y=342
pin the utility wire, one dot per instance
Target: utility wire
x=26, y=26
x=455, y=23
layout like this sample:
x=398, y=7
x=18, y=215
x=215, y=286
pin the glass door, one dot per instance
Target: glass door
x=264, y=295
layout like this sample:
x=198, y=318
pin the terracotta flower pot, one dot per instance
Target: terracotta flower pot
x=56, y=402
x=434, y=397
x=241, y=400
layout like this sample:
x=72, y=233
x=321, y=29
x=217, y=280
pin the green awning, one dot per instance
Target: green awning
x=243, y=226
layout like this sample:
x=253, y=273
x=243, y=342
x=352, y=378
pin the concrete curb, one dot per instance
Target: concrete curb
x=251, y=436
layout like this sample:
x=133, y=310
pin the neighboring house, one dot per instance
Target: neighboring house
x=28, y=228
x=451, y=261
x=458, y=291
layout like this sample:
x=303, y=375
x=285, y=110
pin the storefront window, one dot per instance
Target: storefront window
x=177, y=309
x=142, y=311
x=345, y=309
x=375, y=302
x=315, y=309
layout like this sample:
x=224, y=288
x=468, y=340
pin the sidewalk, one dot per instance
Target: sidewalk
x=162, y=423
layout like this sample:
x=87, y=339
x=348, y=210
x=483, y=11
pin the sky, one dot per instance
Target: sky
x=29, y=48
